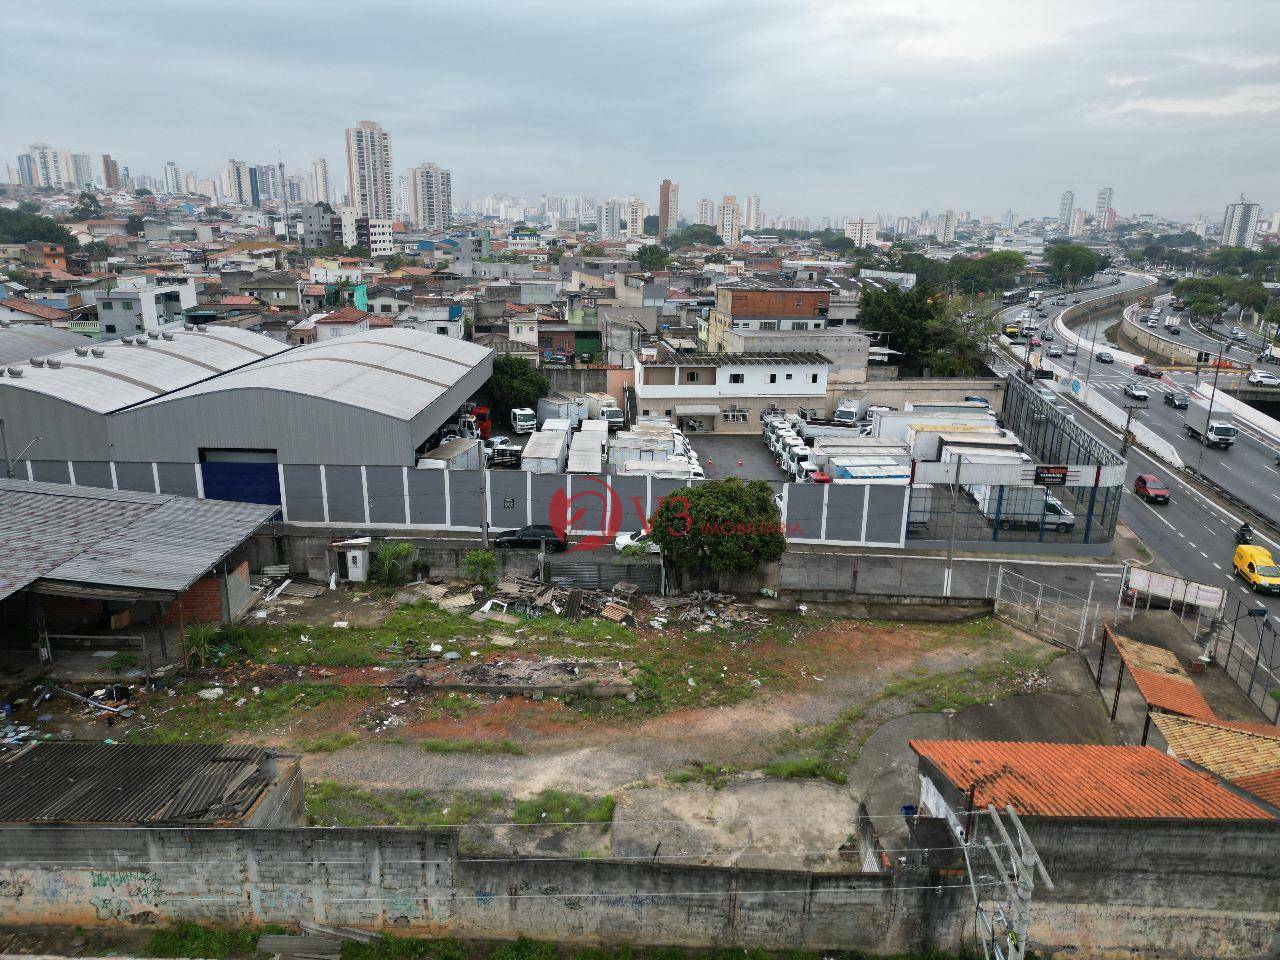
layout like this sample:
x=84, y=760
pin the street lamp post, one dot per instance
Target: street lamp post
x=4, y=445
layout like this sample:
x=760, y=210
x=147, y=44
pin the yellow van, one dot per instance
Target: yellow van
x=1258, y=569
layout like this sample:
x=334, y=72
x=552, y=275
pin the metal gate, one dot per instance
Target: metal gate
x=1048, y=612
x=590, y=574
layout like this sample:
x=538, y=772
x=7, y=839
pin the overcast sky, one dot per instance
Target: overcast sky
x=824, y=108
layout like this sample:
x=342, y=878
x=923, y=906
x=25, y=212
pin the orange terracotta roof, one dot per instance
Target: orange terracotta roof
x=313, y=290
x=1083, y=780
x=238, y=300
x=1228, y=752
x=381, y=321
x=31, y=308
x=1264, y=786
x=345, y=315
x=1171, y=694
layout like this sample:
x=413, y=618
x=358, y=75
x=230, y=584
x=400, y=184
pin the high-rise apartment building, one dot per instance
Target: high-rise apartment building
x=611, y=218
x=430, y=197
x=241, y=183
x=1239, y=224
x=902, y=227
x=369, y=170
x=637, y=210
x=1107, y=219
x=862, y=232
x=172, y=178
x=27, y=170
x=730, y=220
x=320, y=180
x=82, y=169
x=1106, y=196
x=947, y=227
x=668, y=208
x=1065, y=206
x=752, y=219
x=110, y=172
x=52, y=167
x=1075, y=223
x=707, y=212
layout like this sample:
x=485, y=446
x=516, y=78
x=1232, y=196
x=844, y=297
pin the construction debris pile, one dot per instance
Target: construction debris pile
x=532, y=676
x=514, y=598
x=706, y=610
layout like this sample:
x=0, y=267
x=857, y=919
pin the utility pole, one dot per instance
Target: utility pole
x=951, y=541
x=1128, y=419
x=1213, y=395
x=1003, y=930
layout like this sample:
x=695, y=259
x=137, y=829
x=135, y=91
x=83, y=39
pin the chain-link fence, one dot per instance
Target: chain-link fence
x=1246, y=644
x=1048, y=612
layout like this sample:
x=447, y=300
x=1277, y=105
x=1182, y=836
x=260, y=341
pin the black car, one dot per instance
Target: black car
x=1176, y=400
x=530, y=538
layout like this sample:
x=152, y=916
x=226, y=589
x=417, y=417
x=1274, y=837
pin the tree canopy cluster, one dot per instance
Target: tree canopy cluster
x=933, y=334
x=1071, y=263
x=1209, y=296
x=962, y=274
x=20, y=226
x=724, y=526
x=515, y=383
x=696, y=234
x=652, y=256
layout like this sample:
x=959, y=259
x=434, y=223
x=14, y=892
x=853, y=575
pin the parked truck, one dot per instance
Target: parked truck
x=546, y=452
x=464, y=453
x=557, y=406
x=523, y=420
x=1216, y=431
x=601, y=406
x=1172, y=325
x=1022, y=507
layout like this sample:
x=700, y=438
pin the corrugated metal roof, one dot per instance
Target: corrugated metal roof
x=19, y=342
x=1083, y=780
x=91, y=782
x=126, y=374
x=399, y=372
x=115, y=538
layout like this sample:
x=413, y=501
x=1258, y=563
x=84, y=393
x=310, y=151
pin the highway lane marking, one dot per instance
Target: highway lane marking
x=1216, y=566
x=1206, y=556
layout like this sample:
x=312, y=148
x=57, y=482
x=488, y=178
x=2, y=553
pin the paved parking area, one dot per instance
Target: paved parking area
x=720, y=453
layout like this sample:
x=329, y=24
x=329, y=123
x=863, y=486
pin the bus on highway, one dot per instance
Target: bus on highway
x=1014, y=296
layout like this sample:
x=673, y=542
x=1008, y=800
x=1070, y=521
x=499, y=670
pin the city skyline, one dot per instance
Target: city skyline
x=1128, y=109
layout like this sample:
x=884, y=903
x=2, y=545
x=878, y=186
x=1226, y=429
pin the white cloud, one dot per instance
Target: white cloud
x=1260, y=98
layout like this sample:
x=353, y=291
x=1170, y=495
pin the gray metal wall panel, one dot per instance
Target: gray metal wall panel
x=466, y=497
x=588, y=496
x=386, y=494
x=177, y=478
x=884, y=513
x=51, y=471
x=544, y=487
x=345, y=492
x=66, y=431
x=629, y=499
x=93, y=473
x=844, y=511
x=508, y=503
x=135, y=476
x=302, y=493
x=664, y=488
x=804, y=510
x=426, y=497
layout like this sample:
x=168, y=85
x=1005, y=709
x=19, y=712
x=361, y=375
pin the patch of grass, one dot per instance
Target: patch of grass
x=714, y=775
x=403, y=948
x=473, y=746
x=332, y=804
x=525, y=949
x=967, y=688
x=452, y=704
x=328, y=743
x=195, y=720
x=556, y=806
x=805, y=768
x=193, y=940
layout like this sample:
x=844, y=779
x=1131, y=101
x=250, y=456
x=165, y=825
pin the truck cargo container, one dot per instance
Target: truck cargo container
x=559, y=406
x=586, y=454
x=1216, y=431
x=601, y=406
x=546, y=452
x=1023, y=508
x=466, y=453
x=558, y=423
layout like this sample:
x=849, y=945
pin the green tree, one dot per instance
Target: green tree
x=652, y=256
x=28, y=206
x=840, y=245
x=19, y=226
x=87, y=207
x=931, y=332
x=1072, y=262
x=143, y=192
x=650, y=225
x=591, y=250
x=554, y=254
x=696, y=234
x=133, y=225
x=97, y=251
x=393, y=262
x=722, y=526
x=515, y=383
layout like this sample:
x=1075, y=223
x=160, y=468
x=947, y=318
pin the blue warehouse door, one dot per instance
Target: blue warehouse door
x=249, y=476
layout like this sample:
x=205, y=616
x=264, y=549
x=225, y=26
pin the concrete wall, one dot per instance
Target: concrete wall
x=898, y=393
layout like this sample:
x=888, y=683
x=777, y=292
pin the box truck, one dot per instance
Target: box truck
x=545, y=452
x=460, y=454
x=523, y=420
x=1216, y=431
x=601, y=406
x=557, y=406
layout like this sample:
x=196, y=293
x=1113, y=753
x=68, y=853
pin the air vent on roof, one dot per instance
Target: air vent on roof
x=15, y=371
x=167, y=335
x=139, y=341
x=98, y=352
x=82, y=351
x=37, y=361
x=54, y=363
x=188, y=326
x=4, y=323
x=153, y=335
x=201, y=327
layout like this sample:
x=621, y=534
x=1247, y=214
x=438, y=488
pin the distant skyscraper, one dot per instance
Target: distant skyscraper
x=1240, y=224
x=1065, y=206
x=369, y=170
x=752, y=219
x=1105, y=197
x=110, y=172
x=241, y=183
x=82, y=169
x=27, y=170
x=1075, y=223
x=730, y=220
x=947, y=227
x=430, y=197
x=1107, y=219
x=637, y=209
x=862, y=232
x=902, y=227
x=172, y=178
x=292, y=189
x=1007, y=221
x=611, y=216
x=52, y=167
x=668, y=208
x=707, y=212
x=320, y=180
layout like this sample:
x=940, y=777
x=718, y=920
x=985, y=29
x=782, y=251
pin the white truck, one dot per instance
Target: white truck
x=1022, y=507
x=464, y=453
x=558, y=406
x=1216, y=431
x=523, y=420
x=1172, y=325
x=601, y=406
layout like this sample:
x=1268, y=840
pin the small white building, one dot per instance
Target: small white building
x=138, y=307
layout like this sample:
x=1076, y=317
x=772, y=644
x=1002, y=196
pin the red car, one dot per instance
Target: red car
x=1146, y=370
x=1036, y=341
x=1151, y=488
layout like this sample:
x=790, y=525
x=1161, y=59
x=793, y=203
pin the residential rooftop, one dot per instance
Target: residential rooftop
x=800, y=358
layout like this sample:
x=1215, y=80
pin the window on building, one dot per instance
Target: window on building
x=444, y=332
x=736, y=378
x=813, y=378
x=108, y=305
x=127, y=305
x=734, y=414
x=773, y=378
x=788, y=376
x=799, y=303
x=110, y=328
x=691, y=376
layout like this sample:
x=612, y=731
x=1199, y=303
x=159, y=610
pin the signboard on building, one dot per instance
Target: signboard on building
x=1050, y=476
